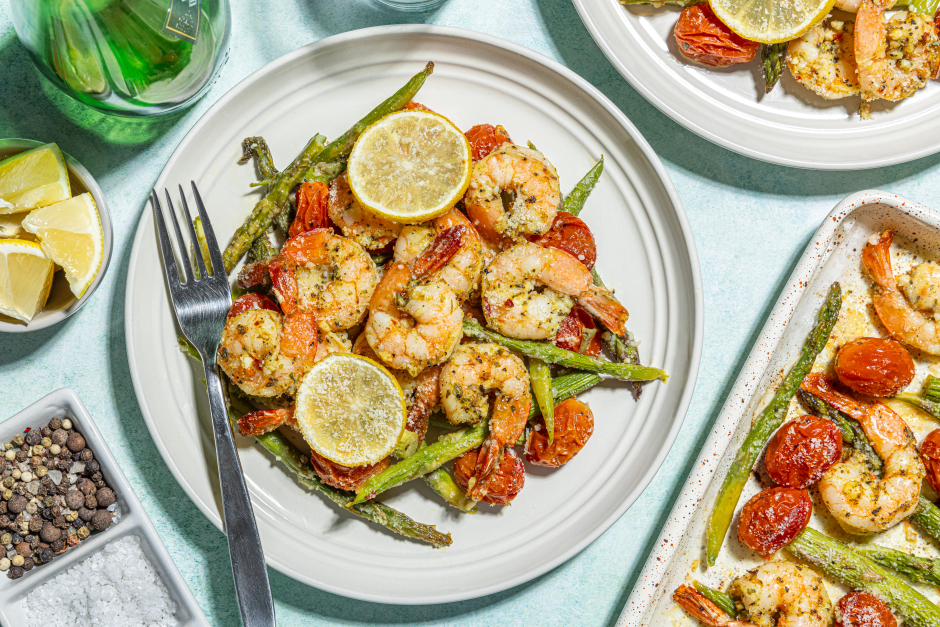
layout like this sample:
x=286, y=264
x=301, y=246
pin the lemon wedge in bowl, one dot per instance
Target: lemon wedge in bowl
x=410, y=166
x=34, y=178
x=25, y=278
x=70, y=234
x=350, y=410
x=771, y=21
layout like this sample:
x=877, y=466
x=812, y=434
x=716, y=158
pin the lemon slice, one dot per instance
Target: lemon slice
x=34, y=178
x=25, y=278
x=771, y=21
x=410, y=166
x=70, y=233
x=350, y=410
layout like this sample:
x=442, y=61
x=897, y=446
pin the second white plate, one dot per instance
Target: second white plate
x=645, y=251
x=790, y=126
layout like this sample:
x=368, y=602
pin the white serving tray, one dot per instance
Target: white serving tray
x=133, y=520
x=836, y=245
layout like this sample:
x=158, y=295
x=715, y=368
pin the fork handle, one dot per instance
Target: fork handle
x=244, y=545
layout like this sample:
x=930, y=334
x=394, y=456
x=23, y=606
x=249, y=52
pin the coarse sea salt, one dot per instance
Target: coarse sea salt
x=117, y=587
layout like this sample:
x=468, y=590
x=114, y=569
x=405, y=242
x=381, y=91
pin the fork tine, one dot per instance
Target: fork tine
x=215, y=253
x=169, y=257
x=197, y=249
x=179, y=238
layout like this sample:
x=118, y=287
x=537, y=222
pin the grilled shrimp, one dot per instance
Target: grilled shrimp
x=793, y=595
x=369, y=230
x=858, y=500
x=472, y=374
x=328, y=275
x=413, y=324
x=895, y=59
x=922, y=288
x=528, y=290
x=824, y=59
x=513, y=192
x=267, y=354
x=699, y=606
x=905, y=323
x=449, y=249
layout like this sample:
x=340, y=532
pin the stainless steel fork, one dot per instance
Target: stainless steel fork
x=201, y=306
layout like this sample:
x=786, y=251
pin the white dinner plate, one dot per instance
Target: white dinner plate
x=790, y=126
x=645, y=250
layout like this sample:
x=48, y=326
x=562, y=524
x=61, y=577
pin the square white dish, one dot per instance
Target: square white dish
x=133, y=519
x=834, y=247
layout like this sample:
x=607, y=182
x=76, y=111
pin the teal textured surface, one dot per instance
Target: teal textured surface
x=751, y=221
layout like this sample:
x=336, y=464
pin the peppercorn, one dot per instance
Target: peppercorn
x=85, y=513
x=6, y=539
x=16, y=504
x=33, y=541
x=62, y=488
x=9, y=482
x=83, y=532
x=15, y=573
x=17, y=538
x=92, y=468
x=23, y=549
x=105, y=497
x=7, y=495
x=35, y=524
x=62, y=465
x=4, y=564
x=58, y=547
x=10, y=455
x=74, y=499
x=97, y=477
x=102, y=519
x=76, y=442
x=3, y=507
x=55, y=423
x=16, y=473
x=49, y=501
x=4, y=521
x=33, y=437
x=20, y=489
x=18, y=439
x=46, y=431
x=86, y=455
x=91, y=502
x=41, y=471
x=55, y=449
x=72, y=516
x=66, y=424
x=87, y=487
x=26, y=477
x=50, y=533
x=46, y=442
x=61, y=522
x=65, y=454
x=47, y=556
x=56, y=511
x=28, y=564
x=32, y=507
x=35, y=461
x=21, y=456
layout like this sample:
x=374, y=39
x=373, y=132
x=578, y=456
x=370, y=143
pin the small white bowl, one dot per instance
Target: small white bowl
x=133, y=520
x=62, y=303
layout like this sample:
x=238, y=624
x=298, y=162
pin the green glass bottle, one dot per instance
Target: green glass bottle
x=129, y=57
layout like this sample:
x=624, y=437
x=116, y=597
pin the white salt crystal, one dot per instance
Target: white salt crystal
x=55, y=476
x=76, y=468
x=120, y=588
x=33, y=487
x=72, y=478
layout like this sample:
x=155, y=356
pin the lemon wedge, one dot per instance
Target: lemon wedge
x=34, y=178
x=25, y=278
x=70, y=233
x=410, y=166
x=11, y=227
x=771, y=21
x=350, y=410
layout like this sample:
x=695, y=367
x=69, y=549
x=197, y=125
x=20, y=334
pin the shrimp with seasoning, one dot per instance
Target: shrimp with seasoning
x=824, y=60
x=514, y=192
x=368, y=229
x=922, y=288
x=528, y=290
x=267, y=354
x=467, y=380
x=780, y=594
x=905, y=323
x=457, y=259
x=858, y=500
x=413, y=324
x=895, y=59
x=325, y=274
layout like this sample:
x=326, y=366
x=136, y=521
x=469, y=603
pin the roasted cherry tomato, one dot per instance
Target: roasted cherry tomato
x=704, y=38
x=802, y=451
x=572, y=235
x=772, y=518
x=503, y=485
x=874, y=366
x=930, y=453
x=313, y=197
x=485, y=138
x=412, y=106
x=250, y=301
x=574, y=328
x=345, y=477
x=861, y=609
x=574, y=424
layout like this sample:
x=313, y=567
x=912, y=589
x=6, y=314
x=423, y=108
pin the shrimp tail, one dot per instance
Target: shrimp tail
x=876, y=258
x=263, y=421
x=488, y=459
x=285, y=284
x=299, y=338
x=427, y=395
x=699, y=606
x=444, y=246
x=606, y=308
x=312, y=201
x=821, y=386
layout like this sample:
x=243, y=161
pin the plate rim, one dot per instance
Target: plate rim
x=653, y=161
x=727, y=141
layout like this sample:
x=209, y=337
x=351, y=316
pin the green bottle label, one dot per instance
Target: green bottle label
x=182, y=19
